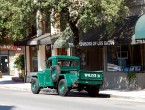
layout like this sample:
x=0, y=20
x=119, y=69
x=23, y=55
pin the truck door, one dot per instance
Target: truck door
x=47, y=78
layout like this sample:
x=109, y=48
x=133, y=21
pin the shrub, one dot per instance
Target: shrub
x=131, y=76
x=20, y=64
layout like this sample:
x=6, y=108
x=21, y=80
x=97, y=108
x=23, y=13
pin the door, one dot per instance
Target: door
x=4, y=64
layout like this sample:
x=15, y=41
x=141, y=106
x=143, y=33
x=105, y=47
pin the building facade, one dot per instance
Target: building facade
x=116, y=57
x=8, y=53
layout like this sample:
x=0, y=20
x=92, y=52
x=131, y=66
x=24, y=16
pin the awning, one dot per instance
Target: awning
x=62, y=42
x=43, y=39
x=140, y=28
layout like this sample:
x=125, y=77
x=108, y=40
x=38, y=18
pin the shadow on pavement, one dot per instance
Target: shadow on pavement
x=4, y=107
x=11, y=80
x=75, y=94
x=85, y=94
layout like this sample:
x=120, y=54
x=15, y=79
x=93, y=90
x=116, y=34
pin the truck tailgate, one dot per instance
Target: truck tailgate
x=90, y=75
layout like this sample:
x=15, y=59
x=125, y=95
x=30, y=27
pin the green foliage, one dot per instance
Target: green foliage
x=131, y=76
x=82, y=16
x=17, y=17
x=19, y=62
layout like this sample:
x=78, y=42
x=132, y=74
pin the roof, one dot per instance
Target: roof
x=64, y=57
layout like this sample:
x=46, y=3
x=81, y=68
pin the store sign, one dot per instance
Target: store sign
x=97, y=43
x=94, y=43
x=8, y=47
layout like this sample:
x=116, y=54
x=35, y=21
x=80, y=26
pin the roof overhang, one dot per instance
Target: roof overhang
x=43, y=39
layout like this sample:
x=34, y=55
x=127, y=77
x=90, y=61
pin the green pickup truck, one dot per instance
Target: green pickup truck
x=63, y=74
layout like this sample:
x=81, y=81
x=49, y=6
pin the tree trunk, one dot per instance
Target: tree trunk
x=75, y=31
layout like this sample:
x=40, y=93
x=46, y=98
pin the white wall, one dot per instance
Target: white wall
x=41, y=57
x=69, y=51
x=28, y=58
x=53, y=52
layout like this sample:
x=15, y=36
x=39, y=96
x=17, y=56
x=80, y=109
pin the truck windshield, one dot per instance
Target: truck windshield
x=70, y=63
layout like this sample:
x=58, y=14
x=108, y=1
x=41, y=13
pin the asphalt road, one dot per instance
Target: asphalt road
x=18, y=100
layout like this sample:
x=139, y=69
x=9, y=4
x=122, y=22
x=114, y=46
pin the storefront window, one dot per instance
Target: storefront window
x=126, y=58
x=34, y=59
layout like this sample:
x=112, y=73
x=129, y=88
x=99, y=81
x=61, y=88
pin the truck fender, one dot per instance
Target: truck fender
x=69, y=80
x=34, y=75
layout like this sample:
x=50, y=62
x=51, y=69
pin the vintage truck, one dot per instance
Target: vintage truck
x=63, y=74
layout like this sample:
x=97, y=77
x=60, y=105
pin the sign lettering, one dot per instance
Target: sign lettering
x=90, y=75
x=94, y=43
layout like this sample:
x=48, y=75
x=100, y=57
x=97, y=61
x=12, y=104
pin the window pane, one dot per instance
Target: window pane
x=125, y=58
x=34, y=59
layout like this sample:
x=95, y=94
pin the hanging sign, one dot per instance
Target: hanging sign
x=97, y=43
x=94, y=43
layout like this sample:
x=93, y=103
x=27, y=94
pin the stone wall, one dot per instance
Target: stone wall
x=119, y=80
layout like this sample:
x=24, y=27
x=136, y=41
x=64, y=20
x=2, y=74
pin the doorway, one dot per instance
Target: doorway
x=4, y=64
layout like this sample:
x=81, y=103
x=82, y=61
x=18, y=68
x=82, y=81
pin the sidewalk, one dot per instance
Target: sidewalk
x=137, y=95
x=6, y=82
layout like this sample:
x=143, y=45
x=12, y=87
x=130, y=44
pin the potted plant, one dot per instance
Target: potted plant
x=0, y=74
x=19, y=63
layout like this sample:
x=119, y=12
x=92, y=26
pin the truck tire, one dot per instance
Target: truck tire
x=93, y=91
x=63, y=90
x=35, y=88
x=55, y=71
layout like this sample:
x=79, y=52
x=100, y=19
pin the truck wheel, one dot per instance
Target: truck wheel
x=55, y=71
x=93, y=91
x=35, y=88
x=63, y=90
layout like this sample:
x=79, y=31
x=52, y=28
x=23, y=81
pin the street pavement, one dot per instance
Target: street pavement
x=6, y=82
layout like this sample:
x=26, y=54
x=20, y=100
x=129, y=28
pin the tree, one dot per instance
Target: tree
x=83, y=16
x=18, y=19
x=16, y=16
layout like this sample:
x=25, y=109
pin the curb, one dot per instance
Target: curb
x=127, y=98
